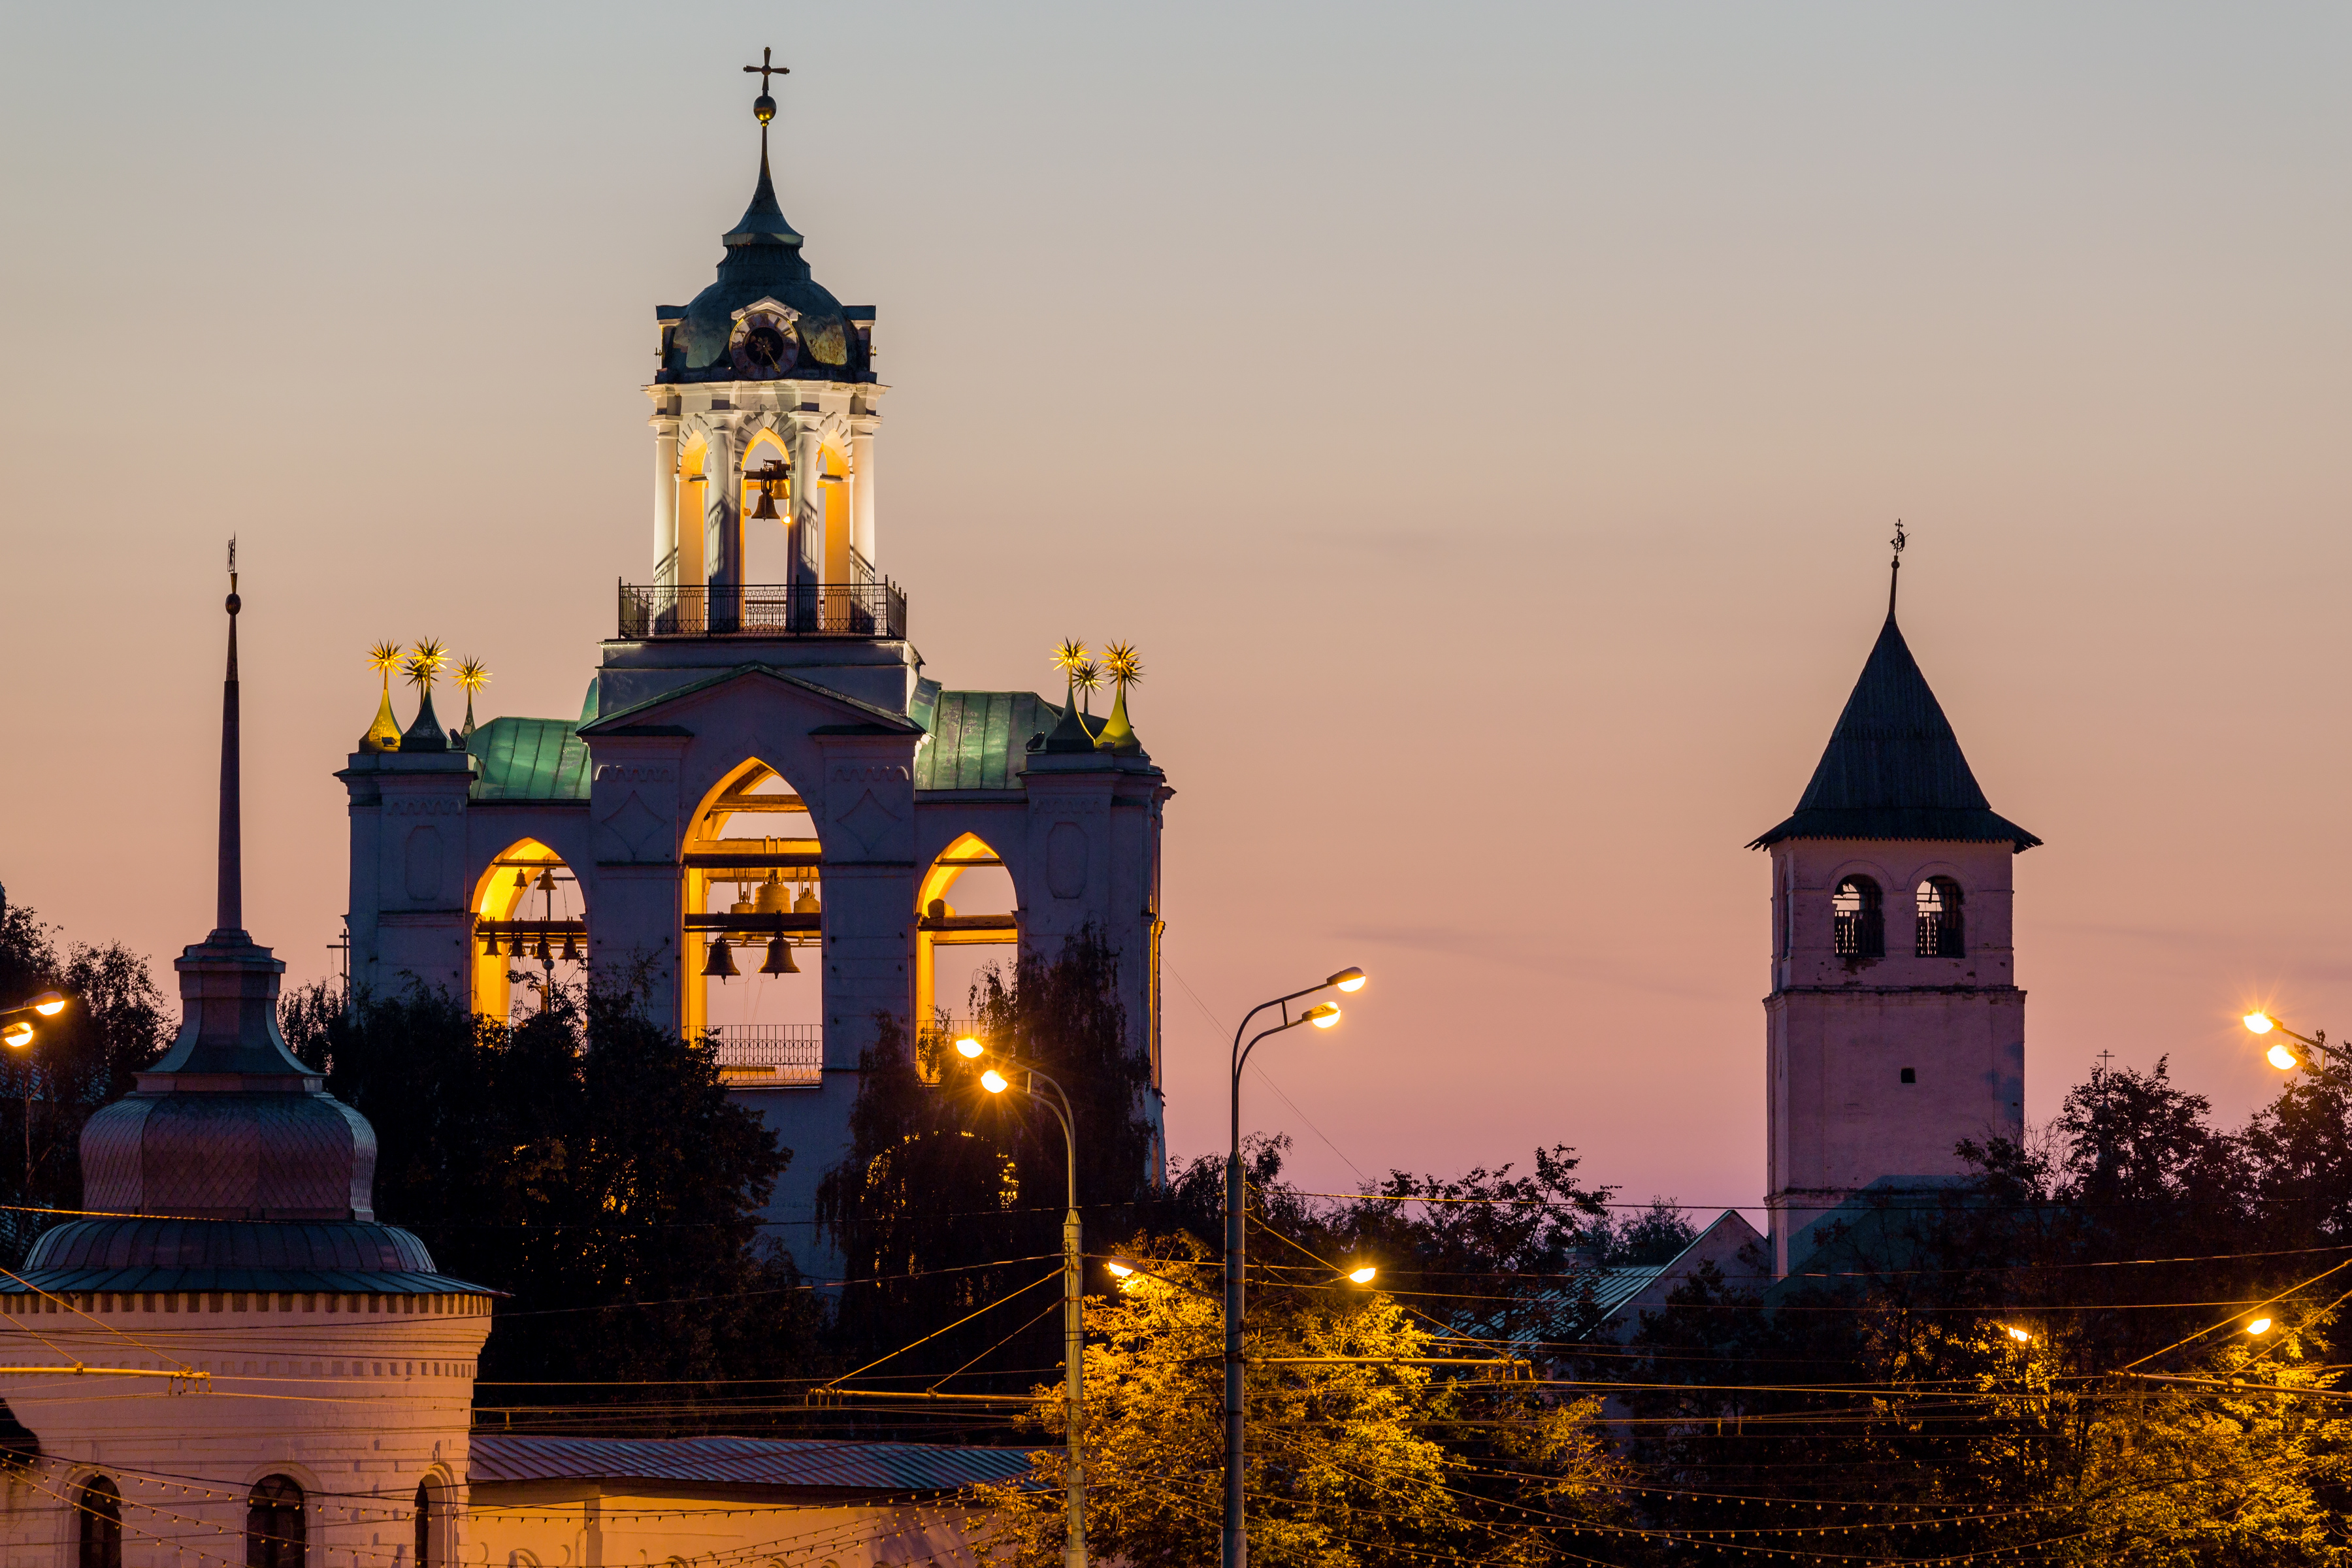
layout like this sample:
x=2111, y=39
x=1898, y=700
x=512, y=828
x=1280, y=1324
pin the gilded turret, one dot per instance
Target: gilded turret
x=383, y=735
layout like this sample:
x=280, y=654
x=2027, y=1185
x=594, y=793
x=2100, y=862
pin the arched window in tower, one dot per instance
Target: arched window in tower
x=275, y=1534
x=100, y=1506
x=1858, y=919
x=1941, y=934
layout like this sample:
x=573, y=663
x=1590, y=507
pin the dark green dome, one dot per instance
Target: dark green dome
x=811, y=339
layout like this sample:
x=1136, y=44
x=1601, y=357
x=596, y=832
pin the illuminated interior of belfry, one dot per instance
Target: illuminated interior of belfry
x=765, y=818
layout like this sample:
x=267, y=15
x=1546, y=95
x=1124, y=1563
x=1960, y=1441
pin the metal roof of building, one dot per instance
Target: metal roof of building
x=742, y=1461
x=1894, y=768
x=980, y=740
x=530, y=759
x=351, y=1257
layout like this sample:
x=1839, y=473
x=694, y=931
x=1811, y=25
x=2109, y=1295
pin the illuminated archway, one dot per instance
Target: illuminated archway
x=964, y=901
x=752, y=879
x=525, y=897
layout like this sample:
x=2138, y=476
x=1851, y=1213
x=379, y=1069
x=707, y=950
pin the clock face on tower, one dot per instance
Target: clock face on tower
x=764, y=344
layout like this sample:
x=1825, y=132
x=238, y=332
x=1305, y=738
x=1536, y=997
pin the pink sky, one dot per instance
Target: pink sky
x=1486, y=421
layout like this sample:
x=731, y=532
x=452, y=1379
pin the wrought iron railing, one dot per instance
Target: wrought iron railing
x=770, y=1054
x=1860, y=934
x=870, y=609
x=1941, y=934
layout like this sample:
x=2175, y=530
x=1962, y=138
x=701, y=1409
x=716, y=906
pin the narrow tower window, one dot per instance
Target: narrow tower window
x=1940, y=932
x=423, y=1526
x=1859, y=921
x=101, y=1524
x=274, y=1531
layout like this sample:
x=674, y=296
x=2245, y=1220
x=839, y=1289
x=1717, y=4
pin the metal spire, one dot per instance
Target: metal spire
x=1894, y=573
x=230, y=917
x=763, y=106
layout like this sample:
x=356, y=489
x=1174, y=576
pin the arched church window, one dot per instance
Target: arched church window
x=1858, y=920
x=423, y=1526
x=275, y=1536
x=1941, y=934
x=100, y=1506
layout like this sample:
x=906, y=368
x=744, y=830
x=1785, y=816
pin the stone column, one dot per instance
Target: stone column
x=722, y=528
x=665, y=501
x=808, y=525
x=861, y=490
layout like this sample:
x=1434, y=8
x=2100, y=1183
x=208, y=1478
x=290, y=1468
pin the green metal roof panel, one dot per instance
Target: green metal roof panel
x=530, y=759
x=980, y=740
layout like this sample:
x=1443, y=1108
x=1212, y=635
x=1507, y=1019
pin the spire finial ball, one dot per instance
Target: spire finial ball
x=764, y=106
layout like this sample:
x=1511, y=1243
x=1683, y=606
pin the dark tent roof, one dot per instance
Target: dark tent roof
x=1894, y=768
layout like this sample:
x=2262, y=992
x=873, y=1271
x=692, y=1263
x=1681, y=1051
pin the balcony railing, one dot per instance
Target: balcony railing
x=769, y=1056
x=871, y=609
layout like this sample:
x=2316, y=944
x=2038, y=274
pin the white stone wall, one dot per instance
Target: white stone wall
x=358, y=1398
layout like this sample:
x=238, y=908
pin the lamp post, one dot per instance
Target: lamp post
x=17, y=1031
x=1323, y=1016
x=1074, y=1296
x=2281, y=1058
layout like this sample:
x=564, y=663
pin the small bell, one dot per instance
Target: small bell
x=541, y=952
x=721, y=961
x=770, y=898
x=806, y=903
x=522, y=879
x=779, y=958
x=741, y=906
x=515, y=945
x=490, y=944
x=571, y=953
x=546, y=883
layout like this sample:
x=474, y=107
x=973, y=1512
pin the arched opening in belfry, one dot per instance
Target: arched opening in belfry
x=966, y=917
x=1858, y=919
x=1942, y=933
x=767, y=541
x=530, y=928
x=99, y=1504
x=754, y=926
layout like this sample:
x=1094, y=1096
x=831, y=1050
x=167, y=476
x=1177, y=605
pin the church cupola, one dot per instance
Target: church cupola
x=1894, y=1028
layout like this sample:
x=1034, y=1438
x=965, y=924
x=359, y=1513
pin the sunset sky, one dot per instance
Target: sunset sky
x=1487, y=420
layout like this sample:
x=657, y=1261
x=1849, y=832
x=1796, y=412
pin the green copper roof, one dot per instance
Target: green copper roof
x=530, y=759
x=980, y=740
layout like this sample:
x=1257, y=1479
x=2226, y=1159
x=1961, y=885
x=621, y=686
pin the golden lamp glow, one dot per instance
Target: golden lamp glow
x=2281, y=1058
x=2259, y=1023
x=1349, y=979
x=968, y=1046
x=16, y=1033
x=1362, y=1276
x=993, y=1081
x=2020, y=1336
x=2259, y=1326
x=48, y=1004
x=1323, y=1016
x=1118, y=1270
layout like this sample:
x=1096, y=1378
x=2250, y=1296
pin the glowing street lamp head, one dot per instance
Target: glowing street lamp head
x=16, y=1033
x=2259, y=1326
x=968, y=1046
x=1349, y=979
x=1323, y=1015
x=1362, y=1276
x=1118, y=1270
x=993, y=1081
x=2020, y=1336
x=48, y=1004
x=2281, y=1058
x=2259, y=1023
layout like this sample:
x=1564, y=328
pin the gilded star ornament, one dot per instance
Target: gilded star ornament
x=1070, y=655
x=473, y=675
x=1121, y=663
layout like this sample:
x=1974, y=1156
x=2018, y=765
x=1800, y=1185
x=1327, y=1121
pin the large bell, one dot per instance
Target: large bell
x=779, y=958
x=721, y=961
x=772, y=896
x=546, y=883
x=767, y=507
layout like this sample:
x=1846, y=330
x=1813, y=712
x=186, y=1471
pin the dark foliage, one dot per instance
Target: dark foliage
x=590, y=1163
x=950, y=1200
x=116, y=1022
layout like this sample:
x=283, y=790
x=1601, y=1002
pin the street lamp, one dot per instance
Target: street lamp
x=2281, y=1058
x=1074, y=1299
x=1323, y=1016
x=17, y=1032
